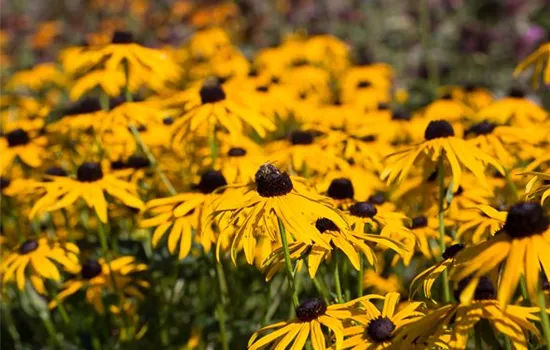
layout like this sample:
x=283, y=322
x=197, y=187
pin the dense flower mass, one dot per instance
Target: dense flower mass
x=180, y=174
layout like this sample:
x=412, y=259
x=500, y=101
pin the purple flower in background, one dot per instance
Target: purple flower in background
x=529, y=40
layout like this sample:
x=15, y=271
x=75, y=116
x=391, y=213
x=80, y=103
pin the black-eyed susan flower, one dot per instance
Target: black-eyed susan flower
x=274, y=198
x=453, y=110
x=38, y=257
x=351, y=243
x=458, y=319
x=479, y=223
x=541, y=60
x=311, y=316
x=375, y=329
x=90, y=184
x=440, y=140
x=185, y=213
x=520, y=246
x=95, y=277
x=27, y=146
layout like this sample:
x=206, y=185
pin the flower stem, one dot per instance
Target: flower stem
x=441, y=208
x=545, y=320
x=288, y=263
x=152, y=160
x=220, y=308
x=339, y=296
x=360, y=278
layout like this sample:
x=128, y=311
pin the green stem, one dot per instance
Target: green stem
x=152, y=160
x=441, y=208
x=545, y=320
x=360, y=278
x=507, y=343
x=288, y=263
x=321, y=289
x=223, y=293
x=50, y=328
x=213, y=145
x=523, y=286
x=339, y=296
x=425, y=39
x=62, y=311
x=478, y=341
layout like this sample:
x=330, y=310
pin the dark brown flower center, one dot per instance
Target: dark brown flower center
x=168, y=121
x=90, y=269
x=300, y=137
x=271, y=182
x=311, y=309
x=236, y=152
x=211, y=92
x=401, y=116
x=263, y=88
x=526, y=219
x=211, y=181
x=363, y=210
x=118, y=165
x=4, y=182
x=17, y=137
x=341, y=188
x=362, y=84
x=483, y=128
x=378, y=199
x=452, y=251
x=28, y=246
x=137, y=162
x=121, y=37
x=516, y=93
x=56, y=171
x=324, y=224
x=89, y=172
x=484, y=290
x=437, y=129
x=419, y=222
x=380, y=329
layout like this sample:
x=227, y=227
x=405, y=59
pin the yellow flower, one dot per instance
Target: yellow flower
x=543, y=190
x=38, y=77
x=38, y=257
x=29, y=147
x=537, y=59
x=514, y=109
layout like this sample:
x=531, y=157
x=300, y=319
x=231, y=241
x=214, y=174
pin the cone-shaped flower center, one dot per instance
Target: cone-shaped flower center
x=311, y=309
x=211, y=92
x=341, y=188
x=452, y=251
x=447, y=97
x=211, y=181
x=270, y=182
x=419, y=221
x=484, y=290
x=121, y=37
x=90, y=269
x=118, y=164
x=378, y=199
x=263, y=88
x=137, y=162
x=483, y=128
x=89, y=172
x=28, y=246
x=17, y=137
x=87, y=105
x=368, y=138
x=516, y=93
x=300, y=137
x=4, y=182
x=363, y=210
x=168, y=121
x=324, y=224
x=56, y=171
x=526, y=219
x=362, y=84
x=236, y=152
x=383, y=106
x=437, y=129
x=401, y=115
x=380, y=329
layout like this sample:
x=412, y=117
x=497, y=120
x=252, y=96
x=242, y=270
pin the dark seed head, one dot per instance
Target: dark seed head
x=363, y=210
x=401, y=116
x=419, y=221
x=17, y=137
x=299, y=137
x=378, y=199
x=88, y=105
x=28, y=246
x=89, y=172
x=484, y=290
x=452, y=251
x=168, y=121
x=4, y=182
x=142, y=128
x=368, y=138
x=446, y=96
x=311, y=309
x=363, y=84
x=483, y=128
x=383, y=106
x=263, y=88
x=437, y=129
x=341, y=189
x=516, y=93
x=526, y=219
x=236, y=152
x=253, y=73
x=211, y=91
x=118, y=165
x=90, y=269
x=121, y=37
x=56, y=171
x=324, y=224
x=211, y=181
x=380, y=329
x=270, y=182
x=459, y=191
x=137, y=162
